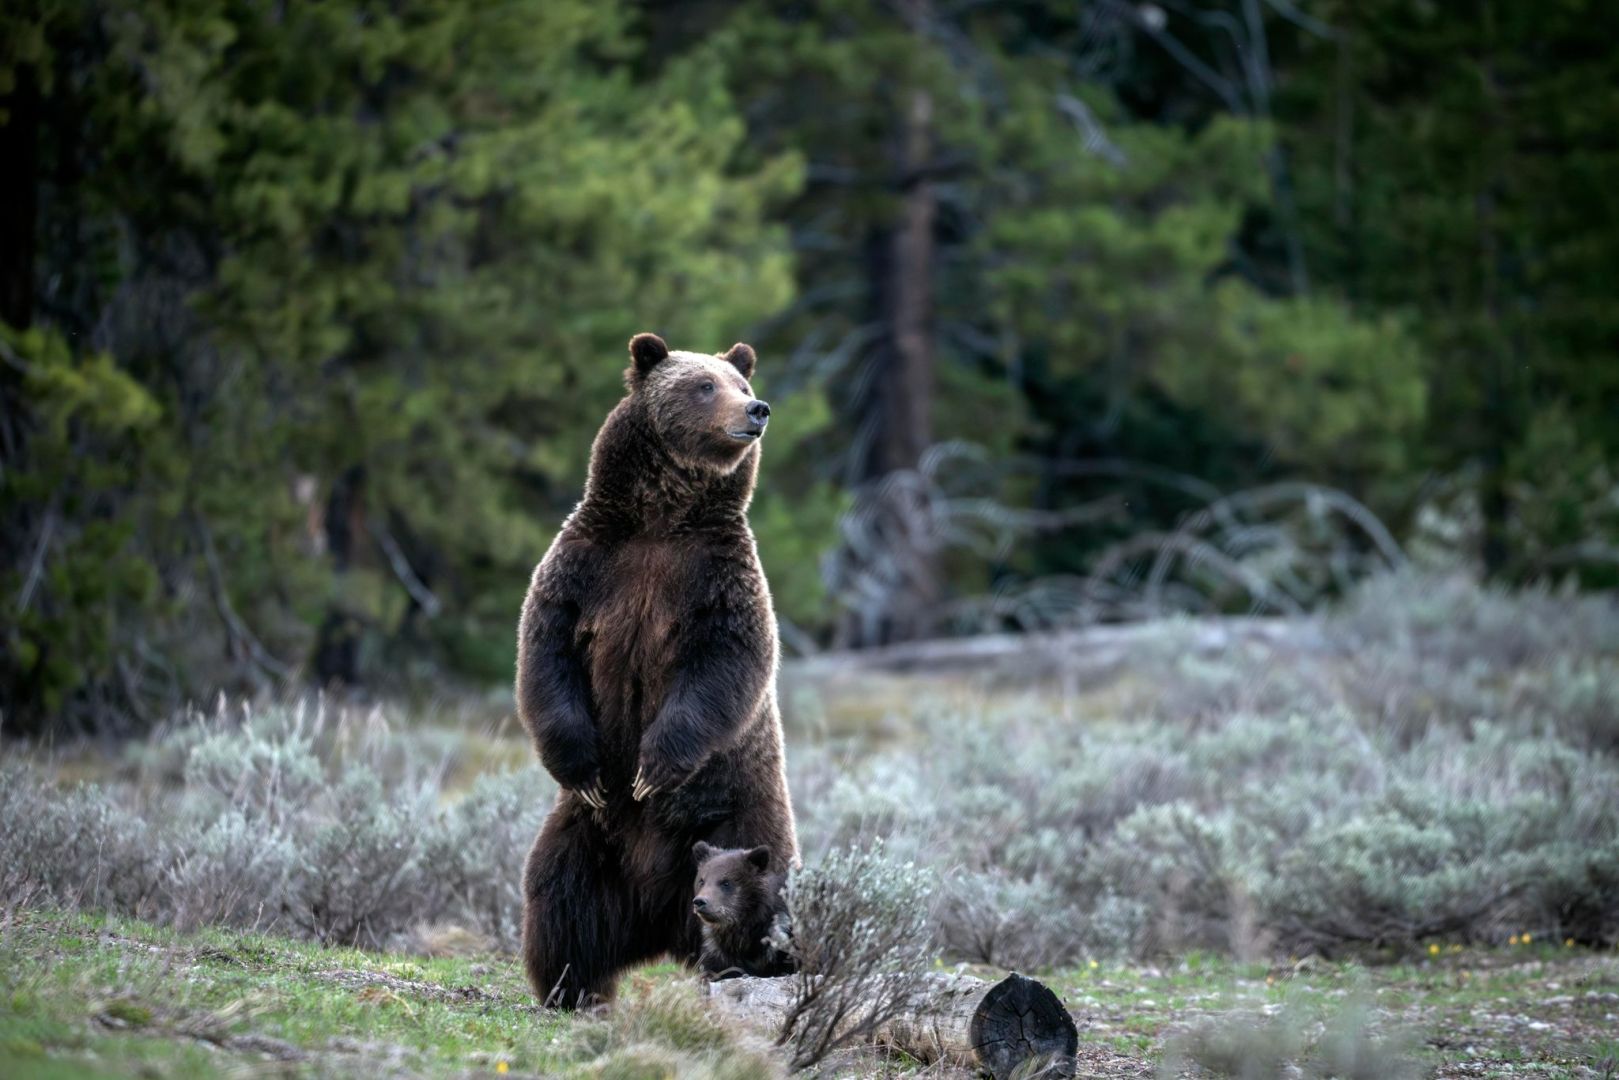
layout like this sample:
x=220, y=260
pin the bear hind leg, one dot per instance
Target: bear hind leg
x=578, y=929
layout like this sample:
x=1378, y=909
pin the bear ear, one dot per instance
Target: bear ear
x=741, y=357
x=701, y=851
x=646, y=352
x=760, y=858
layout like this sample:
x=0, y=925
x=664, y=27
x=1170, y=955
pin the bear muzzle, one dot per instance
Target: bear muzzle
x=758, y=415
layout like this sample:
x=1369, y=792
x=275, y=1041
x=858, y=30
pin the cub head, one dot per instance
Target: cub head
x=731, y=882
x=700, y=404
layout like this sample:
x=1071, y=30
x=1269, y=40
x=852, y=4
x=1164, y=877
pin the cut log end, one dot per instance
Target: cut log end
x=1020, y=1021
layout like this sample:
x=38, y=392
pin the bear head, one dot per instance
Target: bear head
x=732, y=883
x=699, y=404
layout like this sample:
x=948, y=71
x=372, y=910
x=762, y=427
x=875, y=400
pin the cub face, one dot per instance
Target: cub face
x=701, y=405
x=731, y=883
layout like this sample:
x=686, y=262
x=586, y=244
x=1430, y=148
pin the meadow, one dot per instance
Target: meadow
x=1383, y=841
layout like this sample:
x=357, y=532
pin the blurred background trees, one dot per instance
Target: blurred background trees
x=310, y=311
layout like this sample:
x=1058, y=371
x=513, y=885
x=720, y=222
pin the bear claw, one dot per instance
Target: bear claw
x=643, y=788
x=594, y=795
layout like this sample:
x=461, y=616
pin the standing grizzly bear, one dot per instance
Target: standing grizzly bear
x=646, y=662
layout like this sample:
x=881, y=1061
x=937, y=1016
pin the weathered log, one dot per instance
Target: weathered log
x=992, y=1027
x=1094, y=651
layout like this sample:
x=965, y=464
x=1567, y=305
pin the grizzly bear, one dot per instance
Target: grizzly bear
x=646, y=663
x=739, y=901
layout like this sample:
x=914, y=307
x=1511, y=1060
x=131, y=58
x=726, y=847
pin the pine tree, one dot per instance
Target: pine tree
x=367, y=270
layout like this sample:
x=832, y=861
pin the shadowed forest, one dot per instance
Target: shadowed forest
x=1190, y=505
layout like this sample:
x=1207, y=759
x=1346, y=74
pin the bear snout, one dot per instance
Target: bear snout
x=757, y=415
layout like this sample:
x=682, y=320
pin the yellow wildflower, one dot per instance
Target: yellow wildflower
x=1513, y=940
x=1433, y=950
x=1568, y=943
x=1527, y=938
x=502, y=1068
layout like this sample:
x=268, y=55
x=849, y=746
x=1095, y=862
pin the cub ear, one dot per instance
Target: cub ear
x=646, y=352
x=701, y=851
x=741, y=357
x=759, y=858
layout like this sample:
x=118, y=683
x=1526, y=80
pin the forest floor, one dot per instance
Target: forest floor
x=84, y=995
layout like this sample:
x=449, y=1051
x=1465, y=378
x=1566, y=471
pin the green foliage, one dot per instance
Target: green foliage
x=81, y=581
x=1447, y=170
x=1104, y=268
x=326, y=301
x=1340, y=397
x=1565, y=493
x=364, y=275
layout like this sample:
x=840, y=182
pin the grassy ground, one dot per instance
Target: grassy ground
x=83, y=995
x=93, y=996
x=1532, y=1010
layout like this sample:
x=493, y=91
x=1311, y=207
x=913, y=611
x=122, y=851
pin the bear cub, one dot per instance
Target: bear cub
x=739, y=902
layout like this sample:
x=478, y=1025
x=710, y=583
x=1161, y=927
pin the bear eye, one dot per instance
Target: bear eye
x=708, y=386
x=699, y=883
x=725, y=884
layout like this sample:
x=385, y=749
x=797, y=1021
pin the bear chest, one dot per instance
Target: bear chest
x=630, y=629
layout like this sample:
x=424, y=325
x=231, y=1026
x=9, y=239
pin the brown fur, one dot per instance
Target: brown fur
x=739, y=902
x=647, y=650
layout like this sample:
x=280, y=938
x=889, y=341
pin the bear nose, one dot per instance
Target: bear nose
x=758, y=411
x=699, y=903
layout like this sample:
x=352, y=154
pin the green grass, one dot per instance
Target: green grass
x=1541, y=1009
x=84, y=995
x=89, y=995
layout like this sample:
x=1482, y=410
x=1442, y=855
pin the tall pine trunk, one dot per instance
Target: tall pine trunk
x=900, y=266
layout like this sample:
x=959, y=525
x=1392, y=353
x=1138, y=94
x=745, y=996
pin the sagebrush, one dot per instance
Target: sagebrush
x=1437, y=762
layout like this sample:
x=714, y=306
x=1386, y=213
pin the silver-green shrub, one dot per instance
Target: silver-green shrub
x=1385, y=783
x=861, y=934
x=1436, y=761
x=292, y=818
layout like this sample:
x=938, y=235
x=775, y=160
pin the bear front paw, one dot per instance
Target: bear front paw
x=653, y=777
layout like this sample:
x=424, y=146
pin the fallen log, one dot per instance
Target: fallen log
x=1093, y=652
x=962, y=1020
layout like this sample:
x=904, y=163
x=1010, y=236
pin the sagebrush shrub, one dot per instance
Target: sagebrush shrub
x=468, y=859
x=76, y=847
x=861, y=931
x=235, y=870
x=990, y=917
x=1437, y=760
x=1381, y=785
x=294, y=819
x=360, y=877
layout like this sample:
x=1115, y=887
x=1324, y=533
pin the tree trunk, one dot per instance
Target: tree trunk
x=898, y=414
x=991, y=1027
x=907, y=382
x=336, y=661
